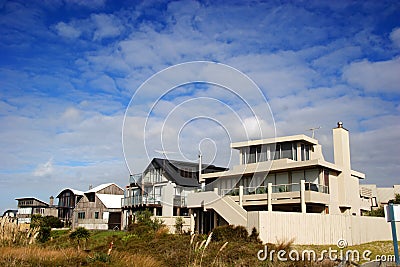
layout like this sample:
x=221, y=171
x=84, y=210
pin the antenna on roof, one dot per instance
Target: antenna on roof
x=164, y=152
x=313, y=130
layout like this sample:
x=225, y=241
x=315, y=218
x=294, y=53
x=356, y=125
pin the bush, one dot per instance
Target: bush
x=178, y=225
x=78, y=234
x=44, y=224
x=230, y=233
x=255, y=236
x=145, y=225
x=44, y=234
x=376, y=213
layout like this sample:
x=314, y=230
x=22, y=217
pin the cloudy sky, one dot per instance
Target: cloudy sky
x=71, y=69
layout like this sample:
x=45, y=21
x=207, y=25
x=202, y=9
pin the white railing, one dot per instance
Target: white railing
x=179, y=201
x=279, y=188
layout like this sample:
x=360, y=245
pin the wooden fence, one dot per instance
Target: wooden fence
x=318, y=229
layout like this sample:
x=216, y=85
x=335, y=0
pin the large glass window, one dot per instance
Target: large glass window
x=285, y=150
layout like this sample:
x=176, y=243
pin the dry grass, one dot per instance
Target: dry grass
x=35, y=256
x=12, y=234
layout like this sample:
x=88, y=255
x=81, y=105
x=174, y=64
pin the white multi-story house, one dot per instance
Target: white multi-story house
x=287, y=174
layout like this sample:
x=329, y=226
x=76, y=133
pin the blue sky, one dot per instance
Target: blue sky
x=69, y=69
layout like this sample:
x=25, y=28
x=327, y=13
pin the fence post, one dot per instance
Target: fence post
x=394, y=234
x=241, y=195
x=269, y=196
x=302, y=196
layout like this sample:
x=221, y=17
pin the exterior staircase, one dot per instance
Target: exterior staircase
x=225, y=206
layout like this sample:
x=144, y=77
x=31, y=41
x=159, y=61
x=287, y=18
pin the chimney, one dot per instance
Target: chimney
x=90, y=187
x=51, y=201
x=341, y=146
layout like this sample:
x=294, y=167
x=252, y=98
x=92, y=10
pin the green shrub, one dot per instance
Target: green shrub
x=178, y=225
x=145, y=225
x=79, y=234
x=230, y=233
x=254, y=236
x=44, y=234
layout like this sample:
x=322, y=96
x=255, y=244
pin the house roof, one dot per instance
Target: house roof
x=101, y=187
x=111, y=201
x=74, y=191
x=172, y=170
x=300, y=137
x=32, y=198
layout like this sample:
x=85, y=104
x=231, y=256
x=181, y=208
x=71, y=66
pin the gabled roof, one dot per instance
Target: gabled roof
x=74, y=191
x=172, y=170
x=111, y=201
x=101, y=187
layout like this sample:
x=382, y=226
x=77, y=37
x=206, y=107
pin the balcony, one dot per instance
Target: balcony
x=281, y=194
x=135, y=201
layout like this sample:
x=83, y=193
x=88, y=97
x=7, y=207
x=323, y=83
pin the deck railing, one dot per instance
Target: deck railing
x=279, y=188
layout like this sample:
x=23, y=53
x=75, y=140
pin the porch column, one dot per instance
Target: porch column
x=302, y=196
x=269, y=192
x=192, y=222
x=241, y=195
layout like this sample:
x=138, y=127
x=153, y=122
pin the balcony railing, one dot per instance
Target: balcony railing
x=279, y=188
x=179, y=201
x=141, y=200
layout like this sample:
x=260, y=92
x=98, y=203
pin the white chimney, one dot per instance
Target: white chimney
x=341, y=146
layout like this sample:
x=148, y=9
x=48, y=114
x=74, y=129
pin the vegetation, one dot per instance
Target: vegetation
x=379, y=212
x=146, y=226
x=234, y=233
x=178, y=225
x=225, y=246
x=80, y=234
x=11, y=234
x=47, y=221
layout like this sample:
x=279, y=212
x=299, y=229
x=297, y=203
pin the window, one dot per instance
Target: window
x=255, y=153
x=186, y=173
x=305, y=152
x=285, y=150
x=326, y=177
x=96, y=214
x=81, y=215
x=91, y=197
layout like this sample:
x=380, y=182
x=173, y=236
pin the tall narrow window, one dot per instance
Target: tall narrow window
x=252, y=156
x=305, y=152
x=326, y=177
x=286, y=152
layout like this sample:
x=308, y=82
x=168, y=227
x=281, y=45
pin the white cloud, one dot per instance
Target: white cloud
x=106, y=26
x=45, y=169
x=66, y=30
x=395, y=37
x=378, y=77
